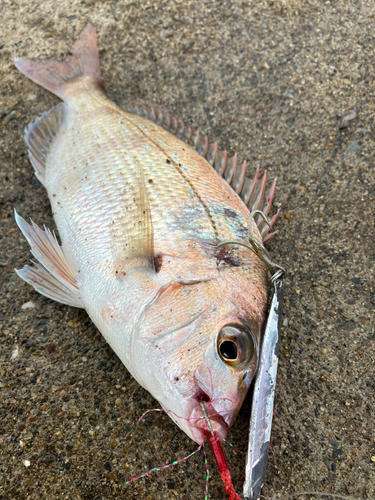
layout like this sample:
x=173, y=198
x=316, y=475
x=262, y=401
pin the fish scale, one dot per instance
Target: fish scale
x=142, y=217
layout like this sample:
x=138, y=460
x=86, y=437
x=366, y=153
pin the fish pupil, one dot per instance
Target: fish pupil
x=228, y=350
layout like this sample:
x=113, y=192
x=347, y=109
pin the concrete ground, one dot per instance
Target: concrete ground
x=277, y=82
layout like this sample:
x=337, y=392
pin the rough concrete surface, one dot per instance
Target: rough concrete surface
x=274, y=81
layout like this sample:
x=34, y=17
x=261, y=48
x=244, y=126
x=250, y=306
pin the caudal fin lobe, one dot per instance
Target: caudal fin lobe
x=56, y=76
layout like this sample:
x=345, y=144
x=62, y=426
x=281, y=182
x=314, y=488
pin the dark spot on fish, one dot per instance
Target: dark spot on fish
x=158, y=261
x=229, y=212
x=176, y=379
x=168, y=161
x=53, y=195
x=150, y=181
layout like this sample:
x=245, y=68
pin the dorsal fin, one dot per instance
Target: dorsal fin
x=252, y=191
x=39, y=138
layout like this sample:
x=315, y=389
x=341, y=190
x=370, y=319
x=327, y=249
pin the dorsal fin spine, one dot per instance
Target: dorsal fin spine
x=258, y=201
x=241, y=178
x=212, y=152
x=231, y=168
x=251, y=188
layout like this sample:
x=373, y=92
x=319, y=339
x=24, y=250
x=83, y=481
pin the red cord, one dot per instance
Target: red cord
x=224, y=471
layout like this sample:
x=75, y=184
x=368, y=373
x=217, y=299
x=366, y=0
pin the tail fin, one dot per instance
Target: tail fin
x=82, y=61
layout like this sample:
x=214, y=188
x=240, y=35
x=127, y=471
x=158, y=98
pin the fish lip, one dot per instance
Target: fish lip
x=198, y=425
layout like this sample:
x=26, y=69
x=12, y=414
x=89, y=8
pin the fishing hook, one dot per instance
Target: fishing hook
x=259, y=250
x=208, y=421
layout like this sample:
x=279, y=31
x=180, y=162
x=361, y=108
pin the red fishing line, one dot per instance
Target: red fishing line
x=224, y=471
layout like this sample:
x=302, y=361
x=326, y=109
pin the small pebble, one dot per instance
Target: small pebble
x=347, y=117
x=73, y=323
x=166, y=33
x=15, y=352
x=354, y=147
x=26, y=463
x=28, y=305
x=288, y=214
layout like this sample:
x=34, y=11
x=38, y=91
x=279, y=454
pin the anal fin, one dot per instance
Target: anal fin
x=46, y=284
x=52, y=276
x=39, y=137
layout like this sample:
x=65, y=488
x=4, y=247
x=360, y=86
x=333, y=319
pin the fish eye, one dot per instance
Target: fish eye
x=228, y=350
x=235, y=345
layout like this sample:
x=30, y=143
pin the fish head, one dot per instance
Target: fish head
x=200, y=343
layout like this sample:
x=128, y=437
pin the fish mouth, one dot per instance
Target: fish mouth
x=218, y=420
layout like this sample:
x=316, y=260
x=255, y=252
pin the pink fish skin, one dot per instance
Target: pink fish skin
x=141, y=215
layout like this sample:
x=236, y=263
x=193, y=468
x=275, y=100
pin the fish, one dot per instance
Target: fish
x=154, y=224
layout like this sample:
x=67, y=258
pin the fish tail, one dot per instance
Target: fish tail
x=81, y=62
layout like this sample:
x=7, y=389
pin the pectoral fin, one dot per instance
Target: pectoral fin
x=140, y=235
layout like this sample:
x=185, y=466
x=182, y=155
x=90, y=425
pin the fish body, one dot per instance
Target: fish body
x=141, y=216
